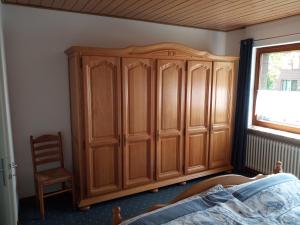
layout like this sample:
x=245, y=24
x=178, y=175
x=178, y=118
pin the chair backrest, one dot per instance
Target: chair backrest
x=46, y=149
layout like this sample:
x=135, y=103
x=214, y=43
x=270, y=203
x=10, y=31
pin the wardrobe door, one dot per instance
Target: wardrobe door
x=222, y=94
x=197, y=116
x=102, y=108
x=170, y=112
x=138, y=120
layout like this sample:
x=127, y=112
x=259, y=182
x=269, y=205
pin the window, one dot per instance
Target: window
x=289, y=85
x=277, y=88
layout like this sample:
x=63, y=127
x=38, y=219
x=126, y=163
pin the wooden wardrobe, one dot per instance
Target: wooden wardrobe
x=147, y=117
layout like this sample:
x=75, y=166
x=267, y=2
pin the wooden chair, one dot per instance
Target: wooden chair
x=47, y=152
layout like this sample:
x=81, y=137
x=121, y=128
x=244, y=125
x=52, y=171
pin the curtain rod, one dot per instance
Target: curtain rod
x=279, y=36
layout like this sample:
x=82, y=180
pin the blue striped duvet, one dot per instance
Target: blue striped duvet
x=273, y=200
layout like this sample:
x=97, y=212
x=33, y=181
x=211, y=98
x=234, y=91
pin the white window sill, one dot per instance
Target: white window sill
x=278, y=135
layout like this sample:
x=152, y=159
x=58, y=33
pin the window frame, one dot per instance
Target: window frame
x=267, y=124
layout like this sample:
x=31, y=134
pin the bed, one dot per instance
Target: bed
x=229, y=199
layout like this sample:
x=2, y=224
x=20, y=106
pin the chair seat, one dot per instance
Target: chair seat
x=53, y=176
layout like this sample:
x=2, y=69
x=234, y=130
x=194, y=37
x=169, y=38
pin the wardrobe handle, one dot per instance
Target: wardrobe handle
x=157, y=134
x=119, y=140
x=124, y=140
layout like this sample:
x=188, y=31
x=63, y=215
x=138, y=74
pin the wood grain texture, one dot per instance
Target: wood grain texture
x=141, y=117
x=170, y=117
x=198, y=91
x=46, y=150
x=164, y=50
x=77, y=119
x=221, y=114
x=151, y=186
x=224, y=15
x=138, y=120
x=102, y=106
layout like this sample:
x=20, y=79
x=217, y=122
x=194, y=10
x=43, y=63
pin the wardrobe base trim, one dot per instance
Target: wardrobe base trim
x=157, y=184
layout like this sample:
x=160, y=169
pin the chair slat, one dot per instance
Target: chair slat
x=57, y=192
x=48, y=149
x=47, y=160
x=44, y=154
x=43, y=147
x=45, y=138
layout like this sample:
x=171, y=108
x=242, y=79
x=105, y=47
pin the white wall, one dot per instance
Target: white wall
x=272, y=33
x=233, y=39
x=37, y=67
x=276, y=32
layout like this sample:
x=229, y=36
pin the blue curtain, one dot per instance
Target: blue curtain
x=242, y=105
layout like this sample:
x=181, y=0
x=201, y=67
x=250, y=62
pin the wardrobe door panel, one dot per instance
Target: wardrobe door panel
x=170, y=89
x=221, y=118
x=104, y=161
x=196, y=152
x=138, y=120
x=137, y=159
x=219, y=147
x=102, y=92
x=102, y=100
x=170, y=112
x=197, y=116
x=170, y=155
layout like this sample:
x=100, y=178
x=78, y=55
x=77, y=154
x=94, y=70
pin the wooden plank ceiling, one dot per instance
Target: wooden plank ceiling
x=224, y=15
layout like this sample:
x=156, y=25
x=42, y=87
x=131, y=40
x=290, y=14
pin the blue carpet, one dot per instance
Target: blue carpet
x=59, y=209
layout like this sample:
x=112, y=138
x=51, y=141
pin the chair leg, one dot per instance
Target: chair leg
x=63, y=186
x=73, y=193
x=37, y=198
x=41, y=200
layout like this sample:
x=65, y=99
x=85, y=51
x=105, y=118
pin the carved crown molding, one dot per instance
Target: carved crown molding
x=156, y=50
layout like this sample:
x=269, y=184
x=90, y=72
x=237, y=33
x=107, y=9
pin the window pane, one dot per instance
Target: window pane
x=278, y=97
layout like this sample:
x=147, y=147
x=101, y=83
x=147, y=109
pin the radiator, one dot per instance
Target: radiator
x=262, y=154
